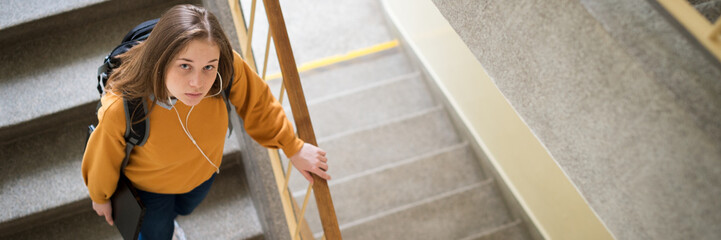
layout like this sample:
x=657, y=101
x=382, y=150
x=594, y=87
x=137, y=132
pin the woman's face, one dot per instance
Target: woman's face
x=191, y=74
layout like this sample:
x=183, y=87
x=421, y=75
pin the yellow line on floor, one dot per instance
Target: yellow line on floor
x=339, y=58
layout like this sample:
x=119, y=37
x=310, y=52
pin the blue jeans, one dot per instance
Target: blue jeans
x=161, y=210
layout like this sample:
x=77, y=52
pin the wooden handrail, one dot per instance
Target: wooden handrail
x=291, y=81
x=290, y=207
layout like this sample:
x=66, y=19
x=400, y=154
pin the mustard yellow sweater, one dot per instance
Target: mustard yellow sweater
x=169, y=162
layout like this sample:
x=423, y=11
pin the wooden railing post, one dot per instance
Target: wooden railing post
x=291, y=81
x=241, y=32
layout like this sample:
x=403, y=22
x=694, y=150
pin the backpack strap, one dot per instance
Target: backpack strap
x=136, y=35
x=135, y=109
x=226, y=95
x=136, y=133
x=140, y=32
x=128, y=148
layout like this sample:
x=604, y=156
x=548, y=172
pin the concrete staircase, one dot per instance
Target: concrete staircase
x=400, y=170
x=50, y=52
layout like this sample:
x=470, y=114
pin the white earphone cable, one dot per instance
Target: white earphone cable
x=187, y=132
x=220, y=89
x=186, y=127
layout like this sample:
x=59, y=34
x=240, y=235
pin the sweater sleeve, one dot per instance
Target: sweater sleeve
x=105, y=150
x=262, y=114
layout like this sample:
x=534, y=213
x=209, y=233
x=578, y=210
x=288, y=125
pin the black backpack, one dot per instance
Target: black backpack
x=136, y=131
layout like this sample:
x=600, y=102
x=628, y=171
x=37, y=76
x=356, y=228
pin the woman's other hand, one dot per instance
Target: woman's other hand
x=104, y=210
x=311, y=159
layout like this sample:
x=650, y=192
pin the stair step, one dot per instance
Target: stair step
x=19, y=12
x=40, y=174
x=451, y=215
x=359, y=150
x=323, y=29
x=33, y=19
x=55, y=72
x=82, y=225
x=349, y=75
x=226, y=213
x=361, y=107
x=394, y=185
x=512, y=231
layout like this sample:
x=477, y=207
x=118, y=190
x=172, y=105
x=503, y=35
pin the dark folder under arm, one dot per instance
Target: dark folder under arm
x=128, y=211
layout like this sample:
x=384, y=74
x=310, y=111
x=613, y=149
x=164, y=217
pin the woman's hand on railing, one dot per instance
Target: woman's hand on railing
x=311, y=159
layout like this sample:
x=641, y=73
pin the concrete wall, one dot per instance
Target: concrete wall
x=624, y=103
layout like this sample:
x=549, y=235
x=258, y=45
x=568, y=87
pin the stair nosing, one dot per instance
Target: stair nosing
x=391, y=80
x=493, y=230
x=46, y=122
x=82, y=206
x=419, y=203
x=59, y=208
x=47, y=21
x=340, y=135
x=392, y=165
x=42, y=17
x=78, y=13
x=343, y=64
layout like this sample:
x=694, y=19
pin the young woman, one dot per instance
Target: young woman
x=181, y=70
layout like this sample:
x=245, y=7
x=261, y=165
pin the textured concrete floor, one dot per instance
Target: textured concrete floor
x=625, y=104
x=320, y=28
x=454, y=203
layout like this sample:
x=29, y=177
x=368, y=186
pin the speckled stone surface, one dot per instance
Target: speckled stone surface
x=456, y=214
x=667, y=56
x=356, y=152
x=41, y=172
x=410, y=184
x=320, y=28
x=58, y=70
x=345, y=76
x=514, y=231
x=624, y=104
x=369, y=105
x=226, y=213
x=45, y=21
x=244, y=201
x=16, y=12
x=48, y=164
x=258, y=172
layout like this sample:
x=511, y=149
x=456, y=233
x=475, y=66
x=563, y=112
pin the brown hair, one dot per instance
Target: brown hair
x=142, y=71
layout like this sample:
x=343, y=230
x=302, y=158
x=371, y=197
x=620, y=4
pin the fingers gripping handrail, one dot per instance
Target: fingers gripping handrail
x=291, y=81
